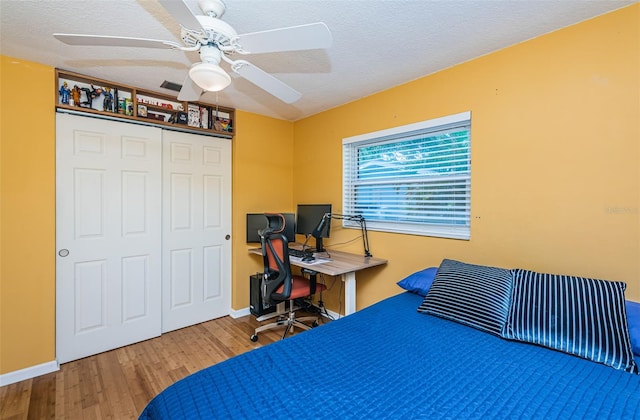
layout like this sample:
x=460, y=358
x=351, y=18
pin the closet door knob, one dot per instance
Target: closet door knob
x=63, y=252
x=227, y=237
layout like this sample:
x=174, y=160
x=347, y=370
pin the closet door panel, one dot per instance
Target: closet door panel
x=196, y=229
x=108, y=235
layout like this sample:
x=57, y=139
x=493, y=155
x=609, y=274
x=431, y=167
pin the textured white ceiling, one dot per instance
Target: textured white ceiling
x=376, y=44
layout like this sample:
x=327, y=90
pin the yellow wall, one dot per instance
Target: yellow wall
x=555, y=183
x=555, y=156
x=262, y=171
x=27, y=218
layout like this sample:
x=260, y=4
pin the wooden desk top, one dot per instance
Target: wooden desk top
x=340, y=263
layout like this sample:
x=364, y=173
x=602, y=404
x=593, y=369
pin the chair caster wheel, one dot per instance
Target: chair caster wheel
x=314, y=324
x=254, y=338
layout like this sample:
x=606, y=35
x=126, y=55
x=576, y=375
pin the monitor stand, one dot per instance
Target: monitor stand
x=319, y=247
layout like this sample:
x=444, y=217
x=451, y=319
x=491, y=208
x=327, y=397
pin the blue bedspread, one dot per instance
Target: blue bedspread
x=388, y=361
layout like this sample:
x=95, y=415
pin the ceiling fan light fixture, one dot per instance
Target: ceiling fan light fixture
x=210, y=77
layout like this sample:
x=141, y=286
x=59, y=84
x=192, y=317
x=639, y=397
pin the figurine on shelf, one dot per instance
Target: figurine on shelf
x=64, y=93
x=75, y=95
x=107, y=103
x=89, y=102
x=222, y=124
x=95, y=91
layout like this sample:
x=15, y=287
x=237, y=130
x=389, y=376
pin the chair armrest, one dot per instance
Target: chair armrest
x=312, y=279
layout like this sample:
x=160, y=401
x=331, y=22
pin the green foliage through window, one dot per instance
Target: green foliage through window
x=412, y=182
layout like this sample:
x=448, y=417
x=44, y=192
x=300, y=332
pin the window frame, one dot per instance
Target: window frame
x=399, y=134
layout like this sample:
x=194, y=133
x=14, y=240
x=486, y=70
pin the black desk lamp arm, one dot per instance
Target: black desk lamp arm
x=350, y=217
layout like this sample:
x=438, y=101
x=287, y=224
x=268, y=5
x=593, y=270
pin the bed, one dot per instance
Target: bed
x=391, y=361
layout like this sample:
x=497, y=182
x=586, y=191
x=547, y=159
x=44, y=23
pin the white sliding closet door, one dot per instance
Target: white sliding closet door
x=108, y=235
x=196, y=229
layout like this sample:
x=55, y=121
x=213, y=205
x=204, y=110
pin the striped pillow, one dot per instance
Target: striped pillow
x=474, y=295
x=580, y=316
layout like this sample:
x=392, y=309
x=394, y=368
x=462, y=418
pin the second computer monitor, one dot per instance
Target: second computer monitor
x=309, y=217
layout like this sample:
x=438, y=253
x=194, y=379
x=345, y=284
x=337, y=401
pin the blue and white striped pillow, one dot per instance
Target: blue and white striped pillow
x=580, y=316
x=474, y=295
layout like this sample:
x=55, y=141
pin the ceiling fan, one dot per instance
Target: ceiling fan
x=216, y=41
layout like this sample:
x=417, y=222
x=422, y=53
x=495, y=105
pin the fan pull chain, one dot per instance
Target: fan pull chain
x=216, y=105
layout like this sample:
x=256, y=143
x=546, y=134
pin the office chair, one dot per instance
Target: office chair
x=279, y=284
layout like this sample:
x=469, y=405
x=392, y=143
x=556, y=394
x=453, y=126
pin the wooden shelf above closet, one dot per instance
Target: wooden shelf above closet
x=77, y=93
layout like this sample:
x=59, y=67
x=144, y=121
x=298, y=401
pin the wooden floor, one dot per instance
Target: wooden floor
x=118, y=384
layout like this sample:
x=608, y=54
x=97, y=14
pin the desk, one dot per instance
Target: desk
x=342, y=264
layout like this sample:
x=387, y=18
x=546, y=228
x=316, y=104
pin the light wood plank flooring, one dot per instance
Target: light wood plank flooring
x=118, y=384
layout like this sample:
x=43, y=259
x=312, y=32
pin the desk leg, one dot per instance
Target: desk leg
x=349, y=280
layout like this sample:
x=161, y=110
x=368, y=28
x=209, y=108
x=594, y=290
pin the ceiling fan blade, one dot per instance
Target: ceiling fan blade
x=265, y=81
x=182, y=14
x=303, y=37
x=115, y=41
x=189, y=91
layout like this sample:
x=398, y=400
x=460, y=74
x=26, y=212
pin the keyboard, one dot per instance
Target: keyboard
x=296, y=256
x=297, y=253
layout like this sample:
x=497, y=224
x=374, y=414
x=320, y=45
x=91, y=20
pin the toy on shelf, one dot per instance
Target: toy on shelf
x=107, y=103
x=64, y=93
x=88, y=103
x=75, y=95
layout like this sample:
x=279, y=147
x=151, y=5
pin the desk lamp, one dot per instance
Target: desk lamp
x=317, y=232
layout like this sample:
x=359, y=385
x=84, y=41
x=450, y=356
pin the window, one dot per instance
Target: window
x=412, y=179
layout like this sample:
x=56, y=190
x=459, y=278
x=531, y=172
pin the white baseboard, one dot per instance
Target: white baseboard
x=28, y=373
x=333, y=315
x=239, y=313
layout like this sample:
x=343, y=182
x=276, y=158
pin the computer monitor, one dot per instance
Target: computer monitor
x=258, y=221
x=309, y=217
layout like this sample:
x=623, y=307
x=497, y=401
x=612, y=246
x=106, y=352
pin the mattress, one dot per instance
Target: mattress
x=389, y=361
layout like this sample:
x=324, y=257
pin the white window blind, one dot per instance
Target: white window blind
x=413, y=179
